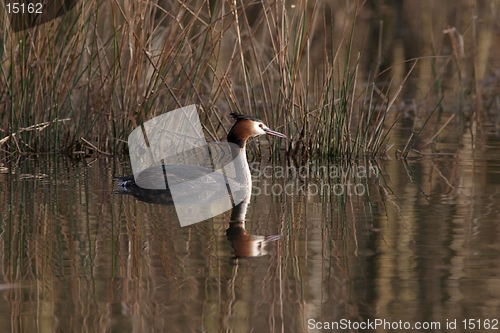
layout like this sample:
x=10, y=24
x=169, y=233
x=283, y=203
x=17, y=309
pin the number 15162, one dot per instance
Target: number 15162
x=22, y=8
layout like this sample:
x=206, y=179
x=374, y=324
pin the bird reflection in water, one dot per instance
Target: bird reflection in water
x=243, y=243
x=246, y=245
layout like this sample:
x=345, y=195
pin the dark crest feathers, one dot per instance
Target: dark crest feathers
x=239, y=116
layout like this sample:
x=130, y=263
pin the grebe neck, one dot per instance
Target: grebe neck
x=242, y=169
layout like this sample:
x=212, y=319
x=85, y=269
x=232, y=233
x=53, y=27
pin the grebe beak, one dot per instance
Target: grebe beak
x=273, y=133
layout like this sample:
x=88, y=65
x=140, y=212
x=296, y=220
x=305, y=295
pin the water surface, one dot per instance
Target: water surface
x=419, y=245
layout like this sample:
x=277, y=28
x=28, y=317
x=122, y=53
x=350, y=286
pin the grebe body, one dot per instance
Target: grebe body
x=244, y=128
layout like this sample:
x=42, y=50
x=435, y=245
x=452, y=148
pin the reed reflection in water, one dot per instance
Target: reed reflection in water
x=421, y=245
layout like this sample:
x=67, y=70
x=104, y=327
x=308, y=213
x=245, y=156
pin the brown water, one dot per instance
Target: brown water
x=417, y=243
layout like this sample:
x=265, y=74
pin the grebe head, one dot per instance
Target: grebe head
x=248, y=127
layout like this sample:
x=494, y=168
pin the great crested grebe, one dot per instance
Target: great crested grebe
x=246, y=127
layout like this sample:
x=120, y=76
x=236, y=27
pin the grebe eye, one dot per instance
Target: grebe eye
x=261, y=125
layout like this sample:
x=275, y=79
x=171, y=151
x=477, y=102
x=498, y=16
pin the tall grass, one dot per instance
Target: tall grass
x=81, y=83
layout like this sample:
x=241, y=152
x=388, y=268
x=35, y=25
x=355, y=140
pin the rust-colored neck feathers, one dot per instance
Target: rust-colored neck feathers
x=240, y=133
